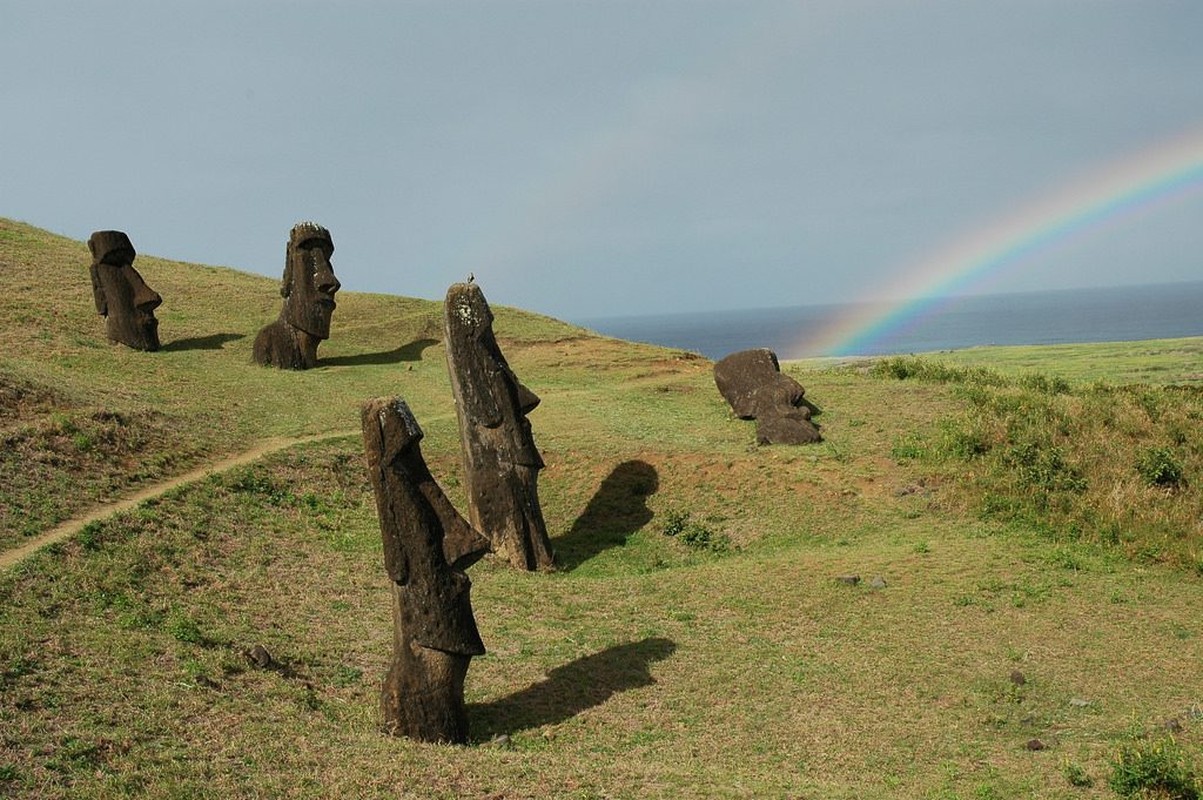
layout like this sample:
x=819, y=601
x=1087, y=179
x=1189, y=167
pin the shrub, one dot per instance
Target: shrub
x=1158, y=466
x=1043, y=467
x=1045, y=384
x=1076, y=776
x=965, y=442
x=695, y=534
x=675, y=521
x=1154, y=769
x=184, y=629
x=701, y=537
x=908, y=446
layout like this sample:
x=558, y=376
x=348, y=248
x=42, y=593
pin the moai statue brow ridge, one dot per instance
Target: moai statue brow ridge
x=427, y=547
x=501, y=462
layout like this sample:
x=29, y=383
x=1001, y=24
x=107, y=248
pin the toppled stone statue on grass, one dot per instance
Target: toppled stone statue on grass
x=122, y=297
x=501, y=462
x=752, y=383
x=308, y=289
x=427, y=547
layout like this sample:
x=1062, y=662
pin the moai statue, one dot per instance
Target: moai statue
x=752, y=383
x=122, y=297
x=427, y=547
x=308, y=290
x=501, y=462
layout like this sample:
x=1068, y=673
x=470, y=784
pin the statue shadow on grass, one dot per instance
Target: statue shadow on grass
x=617, y=509
x=570, y=689
x=406, y=352
x=213, y=342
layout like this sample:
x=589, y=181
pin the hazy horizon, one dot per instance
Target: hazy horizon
x=894, y=303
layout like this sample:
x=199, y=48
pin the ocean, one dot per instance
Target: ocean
x=1112, y=314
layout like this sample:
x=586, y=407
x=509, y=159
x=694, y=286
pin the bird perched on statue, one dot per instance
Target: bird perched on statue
x=471, y=278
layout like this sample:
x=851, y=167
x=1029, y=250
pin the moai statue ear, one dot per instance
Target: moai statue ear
x=389, y=431
x=286, y=283
x=102, y=304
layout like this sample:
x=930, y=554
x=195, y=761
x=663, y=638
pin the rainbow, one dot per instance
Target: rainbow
x=1155, y=177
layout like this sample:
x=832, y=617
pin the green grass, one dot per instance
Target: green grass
x=645, y=666
x=1155, y=362
x=1156, y=769
x=1115, y=465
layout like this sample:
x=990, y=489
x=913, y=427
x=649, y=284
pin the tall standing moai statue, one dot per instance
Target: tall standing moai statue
x=122, y=297
x=308, y=289
x=501, y=462
x=427, y=547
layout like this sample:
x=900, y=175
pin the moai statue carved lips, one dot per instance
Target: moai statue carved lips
x=122, y=297
x=427, y=547
x=308, y=289
x=501, y=461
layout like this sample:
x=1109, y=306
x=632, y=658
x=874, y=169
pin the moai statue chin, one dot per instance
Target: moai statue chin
x=122, y=297
x=308, y=289
x=501, y=462
x=427, y=547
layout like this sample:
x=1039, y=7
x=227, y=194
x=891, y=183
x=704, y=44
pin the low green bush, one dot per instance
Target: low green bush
x=1155, y=769
x=1158, y=466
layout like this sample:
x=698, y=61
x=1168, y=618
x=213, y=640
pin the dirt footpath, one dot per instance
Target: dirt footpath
x=72, y=526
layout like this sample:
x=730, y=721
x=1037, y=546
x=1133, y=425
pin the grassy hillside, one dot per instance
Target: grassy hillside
x=88, y=419
x=729, y=660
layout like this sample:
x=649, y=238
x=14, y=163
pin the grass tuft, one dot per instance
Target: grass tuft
x=1156, y=769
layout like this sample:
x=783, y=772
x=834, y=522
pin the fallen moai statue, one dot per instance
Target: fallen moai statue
x=752, y=383
x=427, y=547
x=501, y=462
x=308, y=288
x=122, y=297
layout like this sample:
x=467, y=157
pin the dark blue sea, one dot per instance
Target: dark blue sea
x=1113, y=314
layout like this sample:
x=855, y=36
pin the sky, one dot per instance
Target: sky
x=589, y=159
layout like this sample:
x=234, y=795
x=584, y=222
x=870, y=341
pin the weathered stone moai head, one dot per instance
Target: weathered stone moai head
x=309, y=285
x=494, y=397
x=427, y=547
x=122, y=297
x=501, y=461
x=752, y=383
x=308, y=288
